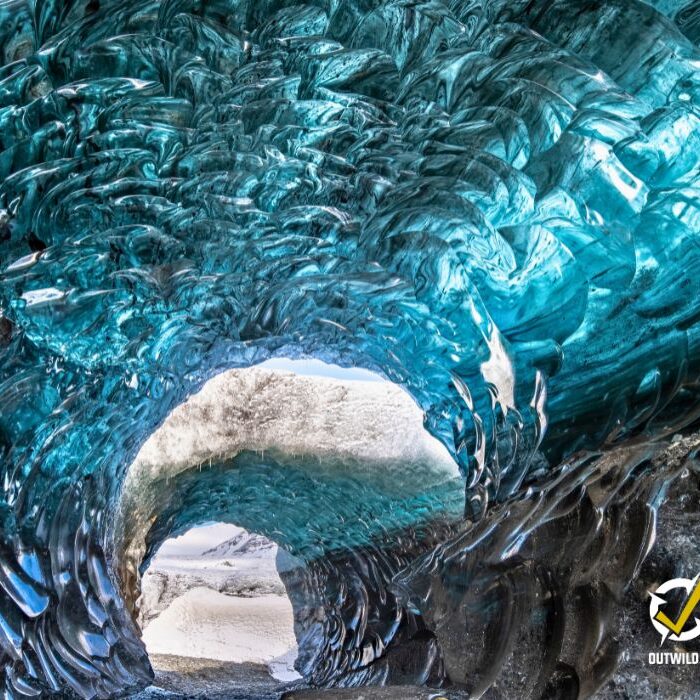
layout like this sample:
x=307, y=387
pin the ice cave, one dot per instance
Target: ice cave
x=490, y=205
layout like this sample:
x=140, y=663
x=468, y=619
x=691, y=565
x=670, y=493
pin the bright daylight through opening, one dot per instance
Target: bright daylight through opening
x=215, y=594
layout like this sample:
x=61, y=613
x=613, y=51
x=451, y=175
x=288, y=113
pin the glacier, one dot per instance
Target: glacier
x=492, y=204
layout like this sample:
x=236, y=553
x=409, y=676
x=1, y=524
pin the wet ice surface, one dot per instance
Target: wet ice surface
x=676, y=553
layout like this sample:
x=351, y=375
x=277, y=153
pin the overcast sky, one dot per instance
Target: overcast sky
x=317, y=368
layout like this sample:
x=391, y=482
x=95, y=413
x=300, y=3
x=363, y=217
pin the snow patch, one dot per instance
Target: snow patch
x=206, y=624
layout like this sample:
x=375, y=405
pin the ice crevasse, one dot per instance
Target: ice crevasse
x=492, y=204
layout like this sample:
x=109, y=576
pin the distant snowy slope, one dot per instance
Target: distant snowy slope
x=243, y=545
x=224, y=558
x=197, y=540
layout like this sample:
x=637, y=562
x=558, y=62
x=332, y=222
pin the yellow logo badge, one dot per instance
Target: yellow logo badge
x=675, y=628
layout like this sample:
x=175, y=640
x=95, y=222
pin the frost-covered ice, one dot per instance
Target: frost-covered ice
x=266, y=409
x=215, y=593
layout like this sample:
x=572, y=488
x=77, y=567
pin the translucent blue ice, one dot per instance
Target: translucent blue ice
x=492, y=203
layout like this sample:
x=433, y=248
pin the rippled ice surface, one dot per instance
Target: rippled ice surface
x=490, y=203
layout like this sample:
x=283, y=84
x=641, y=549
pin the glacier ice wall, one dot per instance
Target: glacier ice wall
x=492, y=204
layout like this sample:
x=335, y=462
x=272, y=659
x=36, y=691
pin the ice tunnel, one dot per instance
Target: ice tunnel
x=320, y=466
x=492, y=204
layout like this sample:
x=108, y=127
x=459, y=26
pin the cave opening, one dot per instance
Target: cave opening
x=213, y=606
x=314, y=462
x=493, y=203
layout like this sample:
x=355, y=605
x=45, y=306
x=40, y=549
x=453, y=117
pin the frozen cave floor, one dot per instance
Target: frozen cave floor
x=183, y=678
x=180, y=677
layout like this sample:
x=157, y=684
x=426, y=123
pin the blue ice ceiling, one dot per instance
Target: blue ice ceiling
x=492, y=204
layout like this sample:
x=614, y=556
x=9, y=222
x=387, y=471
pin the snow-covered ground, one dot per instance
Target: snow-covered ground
x=215, y=593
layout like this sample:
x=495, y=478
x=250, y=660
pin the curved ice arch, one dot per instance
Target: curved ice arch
x=354, y=454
